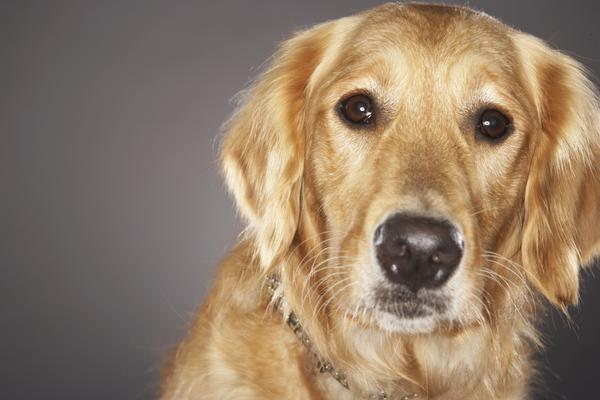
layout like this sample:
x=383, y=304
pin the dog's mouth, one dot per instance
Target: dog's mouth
x=406, y=304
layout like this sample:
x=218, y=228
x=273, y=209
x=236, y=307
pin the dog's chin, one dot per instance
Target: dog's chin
x=399, y=310
x=421, y=320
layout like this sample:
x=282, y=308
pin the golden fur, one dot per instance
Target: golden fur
x=312, y=190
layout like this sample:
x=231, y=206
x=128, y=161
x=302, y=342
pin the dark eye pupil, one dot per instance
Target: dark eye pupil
x=357, y=109
x=493, y=124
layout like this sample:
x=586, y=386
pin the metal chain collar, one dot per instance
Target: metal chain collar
x=322, y=366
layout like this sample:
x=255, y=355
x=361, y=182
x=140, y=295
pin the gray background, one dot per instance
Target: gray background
x=112, y=214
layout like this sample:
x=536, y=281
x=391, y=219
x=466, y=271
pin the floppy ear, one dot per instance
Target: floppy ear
x=562, y=198
x=262, y=154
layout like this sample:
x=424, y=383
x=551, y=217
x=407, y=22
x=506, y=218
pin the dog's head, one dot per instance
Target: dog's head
x=428, y=164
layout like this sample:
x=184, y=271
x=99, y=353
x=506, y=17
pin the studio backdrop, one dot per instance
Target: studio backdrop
x=113, y=216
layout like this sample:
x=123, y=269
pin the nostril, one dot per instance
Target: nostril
x=402, y=251
x=448, y=255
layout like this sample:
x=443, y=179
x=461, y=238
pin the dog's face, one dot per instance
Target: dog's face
x=420, y=154
x=435, y=160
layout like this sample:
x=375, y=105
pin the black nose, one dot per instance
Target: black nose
x=418, y=251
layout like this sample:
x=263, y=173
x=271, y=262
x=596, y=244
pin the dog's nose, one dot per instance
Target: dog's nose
x=418, y=251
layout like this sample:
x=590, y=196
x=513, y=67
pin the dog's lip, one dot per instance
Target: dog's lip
x=407, y=309
x=401, y=309
x=407, y=304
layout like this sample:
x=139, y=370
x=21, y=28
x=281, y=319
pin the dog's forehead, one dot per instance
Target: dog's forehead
x=431, y=22
x=427, y=32
x=398, y=46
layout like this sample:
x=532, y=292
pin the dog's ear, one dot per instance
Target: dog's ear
x=262, y=154
x=562, y=196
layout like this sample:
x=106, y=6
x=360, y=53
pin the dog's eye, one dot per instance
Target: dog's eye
x=493, y=124
x=357, y=109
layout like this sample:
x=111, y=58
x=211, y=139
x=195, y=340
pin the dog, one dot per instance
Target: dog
x=418, y=181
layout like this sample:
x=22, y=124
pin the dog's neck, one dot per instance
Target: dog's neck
x=321, y=365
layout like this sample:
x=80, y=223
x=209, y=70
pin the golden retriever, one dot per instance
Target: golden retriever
x=416, y=180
